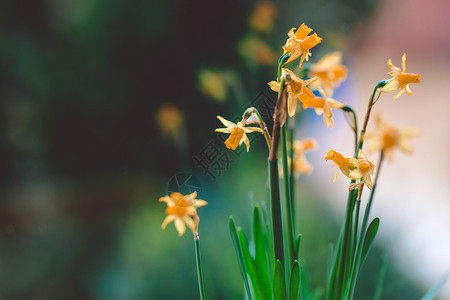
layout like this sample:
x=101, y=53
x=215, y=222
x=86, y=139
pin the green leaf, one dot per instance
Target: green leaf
x=294, y=285
x=368, y=239
x=297, y=241
x=237, y=246
x=249, y=264
x=435, y=289
x=279, y=284
x=262, y=267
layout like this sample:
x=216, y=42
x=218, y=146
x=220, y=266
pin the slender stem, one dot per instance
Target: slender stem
x=291, y=130
x=279, y=119
x=199, y=268
x=353, y=124
x=355, y=233
x=380, y=84
x=288, y=194
x=263, y=126
x=357, y=263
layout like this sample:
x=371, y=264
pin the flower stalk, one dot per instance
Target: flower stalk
x=199, y=267
x=279, y=119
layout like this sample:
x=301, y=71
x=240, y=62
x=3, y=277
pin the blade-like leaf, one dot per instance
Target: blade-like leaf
x=297, y=241
x=294, y=285
x=237, y=246
x=279, y=284
x=262, y=267
x=249, y=264
x=368, y=239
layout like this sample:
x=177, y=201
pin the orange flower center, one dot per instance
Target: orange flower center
x=180, y=208
x=390, y=138
x=235, y=137
x=405, y=78
x=364, y=166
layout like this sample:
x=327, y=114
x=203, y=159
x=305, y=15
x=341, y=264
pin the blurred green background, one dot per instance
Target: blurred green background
x=103, y=102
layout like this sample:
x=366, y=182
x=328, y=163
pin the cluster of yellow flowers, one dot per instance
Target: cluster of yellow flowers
x=325, y=75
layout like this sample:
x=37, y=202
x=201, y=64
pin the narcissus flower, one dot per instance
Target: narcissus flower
x=182, y=210
x=364, y=168
x=213, y=84
x=400, y=79
x=238, y=133
x=330, y=71
x=297, y=89
x=257, y=50
x=263, y=16
x=345, y=163
x=323, y=105
x=299, y=43
x=386, y=137
x=301, y=165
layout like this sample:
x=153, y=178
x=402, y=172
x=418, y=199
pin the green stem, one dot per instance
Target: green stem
x=199, y=268
x=357, y=263
x=262, y=124
x=380, y=84
x=279, y=119
x=288, y=194
x=353, y=124
x=281, y=61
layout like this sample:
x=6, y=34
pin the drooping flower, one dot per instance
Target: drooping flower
x=330, y=72
x=182, y=210
x=263, y=16
x=301, y=165
x=299, y=43
x=297, y=89
x=400, y=79
x=386, y=137
x=238, y=133
x=324, y=105
x=364, y=168
x=345, y=163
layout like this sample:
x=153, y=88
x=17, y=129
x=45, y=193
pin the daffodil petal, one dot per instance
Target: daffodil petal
x=180, y=227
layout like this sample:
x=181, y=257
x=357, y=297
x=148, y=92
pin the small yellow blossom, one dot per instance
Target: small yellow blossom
x=297, y=89
x=213, y=84
x=364, y=168
x=330, y=71
x=345, y=163
x=263, y=16
x=386, y=137
x=238, y=133
x=257, y=50
x=182, y=210
x=301, y=165
x=400, y=79
x=299, y=43
x=324, y=105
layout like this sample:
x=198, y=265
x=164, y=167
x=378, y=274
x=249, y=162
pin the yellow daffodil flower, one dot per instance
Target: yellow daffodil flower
x=182, y=210
x=213, y=84
x=297, y=89
x=345, y=163
x=257, y=50
x=299, y=43
x=364, y=168
x=301, y=165
x=400, y=79
x=386, y=137
x=330, y=72
x=238, y=133
x=263, y=16
x=324, y=105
